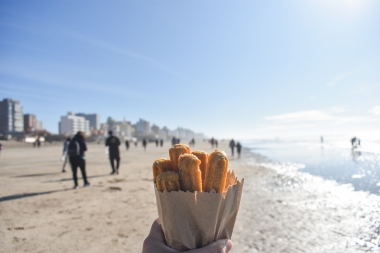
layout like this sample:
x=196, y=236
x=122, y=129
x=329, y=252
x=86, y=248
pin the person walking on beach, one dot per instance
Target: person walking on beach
x=161, y=142
x=232, y=146
x=1, y=148
x=144, y=143
x=238, y=148
x=127, y=144
x=64, y=153
x=76, y=150
x=113, y=144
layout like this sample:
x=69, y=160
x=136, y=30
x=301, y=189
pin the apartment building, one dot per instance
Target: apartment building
x=11, y=117
x=71, y=124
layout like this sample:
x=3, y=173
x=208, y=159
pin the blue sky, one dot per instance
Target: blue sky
x=243, y=69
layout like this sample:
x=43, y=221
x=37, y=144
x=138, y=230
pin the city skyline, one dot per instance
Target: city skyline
x=237, y=70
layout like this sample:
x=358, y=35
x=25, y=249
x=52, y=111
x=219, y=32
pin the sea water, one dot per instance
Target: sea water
x=332, y=159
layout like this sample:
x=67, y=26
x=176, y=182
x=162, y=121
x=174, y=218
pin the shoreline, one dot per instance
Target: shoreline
x=41, y=213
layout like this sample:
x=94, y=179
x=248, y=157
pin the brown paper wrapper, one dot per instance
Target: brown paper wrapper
x=194, y=220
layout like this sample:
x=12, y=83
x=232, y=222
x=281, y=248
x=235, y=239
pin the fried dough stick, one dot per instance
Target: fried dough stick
x=216, y=173
x=175, y=152
x=161, y=165
x=190, y=176
x=167, y=180
x=203, y=156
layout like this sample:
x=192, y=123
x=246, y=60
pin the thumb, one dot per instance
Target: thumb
x=220, y=246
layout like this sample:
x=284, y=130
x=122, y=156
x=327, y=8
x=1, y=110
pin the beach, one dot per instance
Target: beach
x=280, y=211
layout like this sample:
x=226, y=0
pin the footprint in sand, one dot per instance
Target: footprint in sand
x=114, y=188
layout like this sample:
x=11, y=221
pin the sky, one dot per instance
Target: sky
x=228, y=69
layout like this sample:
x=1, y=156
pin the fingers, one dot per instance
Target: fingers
x=156, y=231
x=220, y=246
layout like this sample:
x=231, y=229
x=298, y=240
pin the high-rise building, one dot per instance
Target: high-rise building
x=71, y=124
x=30, y=122
x=123, y=129
x=11, y=117
x=94, y=119
x=142, y=127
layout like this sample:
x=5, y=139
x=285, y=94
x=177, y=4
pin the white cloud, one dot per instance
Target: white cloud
x=375, y=110
x=313, y=115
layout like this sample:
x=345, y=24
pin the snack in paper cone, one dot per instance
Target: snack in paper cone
x=161, y=165
x=190, y=176
x=168, y=181
x=216, y=174
x=203, y=157
x=194, y=218
x=175, y=152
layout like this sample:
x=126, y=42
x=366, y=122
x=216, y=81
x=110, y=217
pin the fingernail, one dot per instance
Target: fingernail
x=229, y=245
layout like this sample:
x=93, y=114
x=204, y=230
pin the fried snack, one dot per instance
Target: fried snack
x=203, y=156
x=167, y=180
x=161, y=165
x=190, y=176
x=230, y=180
x=216, y=172
x=175, y=152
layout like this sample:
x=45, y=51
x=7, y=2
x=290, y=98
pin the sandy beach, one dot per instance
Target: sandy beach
x=281, y=211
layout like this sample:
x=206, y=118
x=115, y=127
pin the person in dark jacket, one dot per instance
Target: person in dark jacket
x=232, y=146
x=64, y=153
x=238, y=149
x=127, y=144
x=76, y=150
x=113, y=144
x=144, y=143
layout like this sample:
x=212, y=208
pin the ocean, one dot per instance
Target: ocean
x=332, y=159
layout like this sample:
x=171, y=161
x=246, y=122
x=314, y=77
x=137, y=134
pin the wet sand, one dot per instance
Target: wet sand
x=280, y=211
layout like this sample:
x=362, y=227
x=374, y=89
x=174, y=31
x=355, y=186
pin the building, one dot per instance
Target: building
x=11, y=118
x=122, y=129
x=155, y=130
x=142, y=127
x=94, y=119
x=31, y=123
x=71, y=124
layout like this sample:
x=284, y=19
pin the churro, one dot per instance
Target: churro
x=190, y=176
x=167, y=180
x=216, y=172
x=161, y=165
x=175, y=152
x=203, y=157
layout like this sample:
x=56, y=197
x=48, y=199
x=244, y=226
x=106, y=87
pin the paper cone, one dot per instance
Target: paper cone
x=194, y=220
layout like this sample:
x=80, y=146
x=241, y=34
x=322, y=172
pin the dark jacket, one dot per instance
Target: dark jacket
x=113, y=143
x=82, y=144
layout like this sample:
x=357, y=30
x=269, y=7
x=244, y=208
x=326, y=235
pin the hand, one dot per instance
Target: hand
x=155, y=243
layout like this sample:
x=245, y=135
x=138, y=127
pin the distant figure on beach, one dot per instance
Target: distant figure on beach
x=76, y=150
x=127, y=144
x=64, y=152
x=144, y=143
x=353, y=141
x=192, y=142
x=161, y=142
x=38, y=142
x=174, y=141
x=113, y=144
x=321, y=139
x=155, y=243
x=1, y=148
x=232, y=146
x=216, y=143
x=156, y=141
x=212, y=141
x=238, y=148
x=136, y=144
